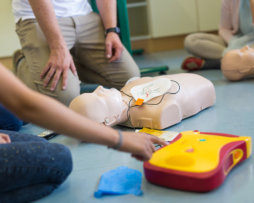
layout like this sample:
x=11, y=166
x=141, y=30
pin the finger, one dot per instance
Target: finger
x=48, y=77
x=152, y=147
x=45, y=70
x=119, y=52
x=149, y=147
x=7, y=139
x=157, y=140
x=112, y=59
x=55, y=80
x=139, y=157
x=73, y=68
x=116, y=55
x=64, y=82
x=108, y=50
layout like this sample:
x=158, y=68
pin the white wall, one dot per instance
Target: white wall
x=209, y=12
x=176, y=17
x=8, y=39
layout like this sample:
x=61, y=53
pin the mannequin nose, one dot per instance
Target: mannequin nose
x=99, y=89
x=245, y=48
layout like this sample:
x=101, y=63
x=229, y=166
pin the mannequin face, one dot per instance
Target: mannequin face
x=103, y=105
x=246, y=53
x=239, y=63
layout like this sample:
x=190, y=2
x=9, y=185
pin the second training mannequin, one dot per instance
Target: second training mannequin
x=238, y=64
x=184, y=95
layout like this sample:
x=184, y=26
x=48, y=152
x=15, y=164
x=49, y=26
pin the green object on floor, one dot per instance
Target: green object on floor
x=160, y=69
x=137, y=51
x=123, y=24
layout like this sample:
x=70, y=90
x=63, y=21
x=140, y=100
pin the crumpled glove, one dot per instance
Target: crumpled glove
x=120, y=181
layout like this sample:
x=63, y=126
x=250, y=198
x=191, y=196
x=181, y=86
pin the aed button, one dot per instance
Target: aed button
x=237, y=154
x=234, y=157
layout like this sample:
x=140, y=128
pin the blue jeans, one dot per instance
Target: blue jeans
x=8, y=121
x=31, y=167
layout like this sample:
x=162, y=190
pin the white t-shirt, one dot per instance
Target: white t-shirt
x=63, y=8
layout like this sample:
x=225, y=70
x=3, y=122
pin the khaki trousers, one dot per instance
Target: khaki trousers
x=204, y=45
x=84, y=36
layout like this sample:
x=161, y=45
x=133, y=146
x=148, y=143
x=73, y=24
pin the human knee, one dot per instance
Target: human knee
x=64, y=96
x=72, y=90
x=128, y=70
x=132, y=74
x=118, y=84
x=63, y=162
x=189, y=42
x=68, y=95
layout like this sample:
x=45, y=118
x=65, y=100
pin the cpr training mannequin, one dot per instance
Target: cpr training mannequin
x=238, y=64
x=188, y=95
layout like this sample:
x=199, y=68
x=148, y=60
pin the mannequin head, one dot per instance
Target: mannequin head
x=238, y=64
x=103, y=105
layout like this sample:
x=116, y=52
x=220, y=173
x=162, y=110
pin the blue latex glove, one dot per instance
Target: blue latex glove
x=120, y=181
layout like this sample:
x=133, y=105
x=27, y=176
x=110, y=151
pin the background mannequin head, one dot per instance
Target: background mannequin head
x=103, y=105
x=238, y=64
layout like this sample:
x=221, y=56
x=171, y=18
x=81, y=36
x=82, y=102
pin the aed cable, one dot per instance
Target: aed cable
x=129, y=104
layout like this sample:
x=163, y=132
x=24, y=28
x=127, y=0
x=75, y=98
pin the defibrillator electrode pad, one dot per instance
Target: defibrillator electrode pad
x=151, y=89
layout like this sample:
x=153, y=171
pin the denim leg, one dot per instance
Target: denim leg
x=27, y=194
x=22, y=137
x=8, y=121
x=31, y=169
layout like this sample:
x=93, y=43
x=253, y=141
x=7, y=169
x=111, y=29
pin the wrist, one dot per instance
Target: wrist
x=115, y=30
x=118, y=141
x=57, y=45
x=59, y=49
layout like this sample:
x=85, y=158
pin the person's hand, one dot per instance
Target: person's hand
x=4, y=138
x=60, y=60
x=114, y=47
x=140, y=145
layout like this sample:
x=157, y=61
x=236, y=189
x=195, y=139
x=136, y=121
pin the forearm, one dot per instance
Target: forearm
x=108, y=12
x=252, y=10
x=44, y=13
x=225, y=34
x=49, y=113
x=225, y=28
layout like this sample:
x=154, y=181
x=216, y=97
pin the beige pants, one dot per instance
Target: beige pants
x=204, y=45
x=84, y=36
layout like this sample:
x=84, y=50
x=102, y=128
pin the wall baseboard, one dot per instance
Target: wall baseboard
x=161, y=44
x=7, y=61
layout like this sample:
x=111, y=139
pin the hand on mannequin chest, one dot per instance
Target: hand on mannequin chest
x=111, y=107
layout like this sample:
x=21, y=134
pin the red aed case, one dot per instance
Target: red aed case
x=197, y=161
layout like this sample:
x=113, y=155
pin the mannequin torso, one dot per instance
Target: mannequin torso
x=196, y=93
